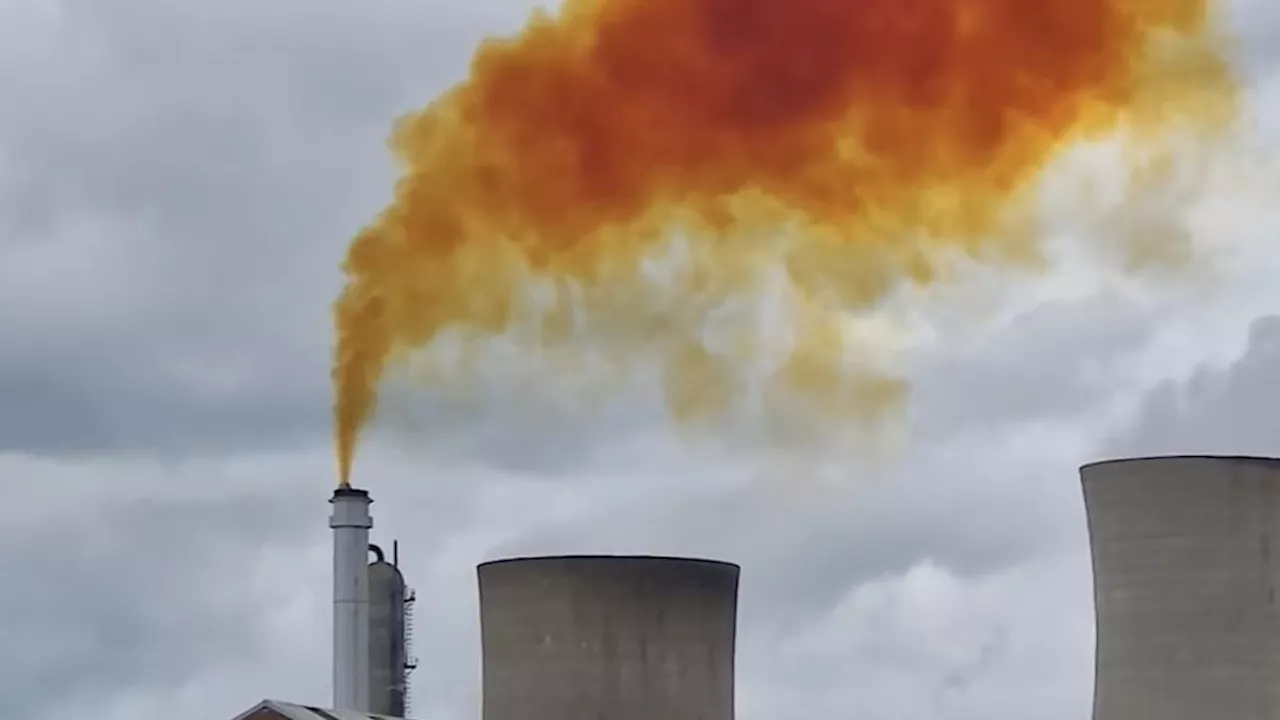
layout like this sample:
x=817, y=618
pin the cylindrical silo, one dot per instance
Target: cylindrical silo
x=608, y=638
x=1185, y=562
x=387, y=656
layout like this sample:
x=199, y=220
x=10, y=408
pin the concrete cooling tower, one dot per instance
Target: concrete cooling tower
x=1186, y=562
x=608, y=638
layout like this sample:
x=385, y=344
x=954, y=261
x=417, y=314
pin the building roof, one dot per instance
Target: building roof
x=276, y=710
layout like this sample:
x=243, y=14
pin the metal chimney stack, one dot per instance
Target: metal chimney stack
x=351, y=523
x=608, y=638
x=1186, y=562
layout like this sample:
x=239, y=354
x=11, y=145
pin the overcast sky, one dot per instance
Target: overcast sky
x=178, y=181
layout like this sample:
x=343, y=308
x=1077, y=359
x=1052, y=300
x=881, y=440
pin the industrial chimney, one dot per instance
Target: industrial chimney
x=1185, y=587
x=608, y=638
x=351, y=523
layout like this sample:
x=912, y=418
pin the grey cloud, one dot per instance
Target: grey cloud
x=1257, y=27
x=144, y=594
x=181, y=182
x=895, y=647
x=1230, y=410
x=516, y=423
x=126, y=399
x=1050, y=363
x=973, y=507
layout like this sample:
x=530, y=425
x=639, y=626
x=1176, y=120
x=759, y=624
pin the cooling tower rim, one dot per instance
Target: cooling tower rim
x=534, y=559
x=1168, y=458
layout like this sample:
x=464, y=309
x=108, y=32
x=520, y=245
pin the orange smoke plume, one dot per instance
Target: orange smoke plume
x=840, y=143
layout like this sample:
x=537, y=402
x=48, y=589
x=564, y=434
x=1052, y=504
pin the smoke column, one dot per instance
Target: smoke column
x=837, y=144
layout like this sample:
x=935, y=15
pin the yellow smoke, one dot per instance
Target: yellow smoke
x=837, y=147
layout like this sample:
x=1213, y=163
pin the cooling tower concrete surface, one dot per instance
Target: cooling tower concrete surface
x=608, y=638
x=1186, y=564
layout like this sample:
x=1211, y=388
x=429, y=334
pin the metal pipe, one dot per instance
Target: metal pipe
x=351, y=523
